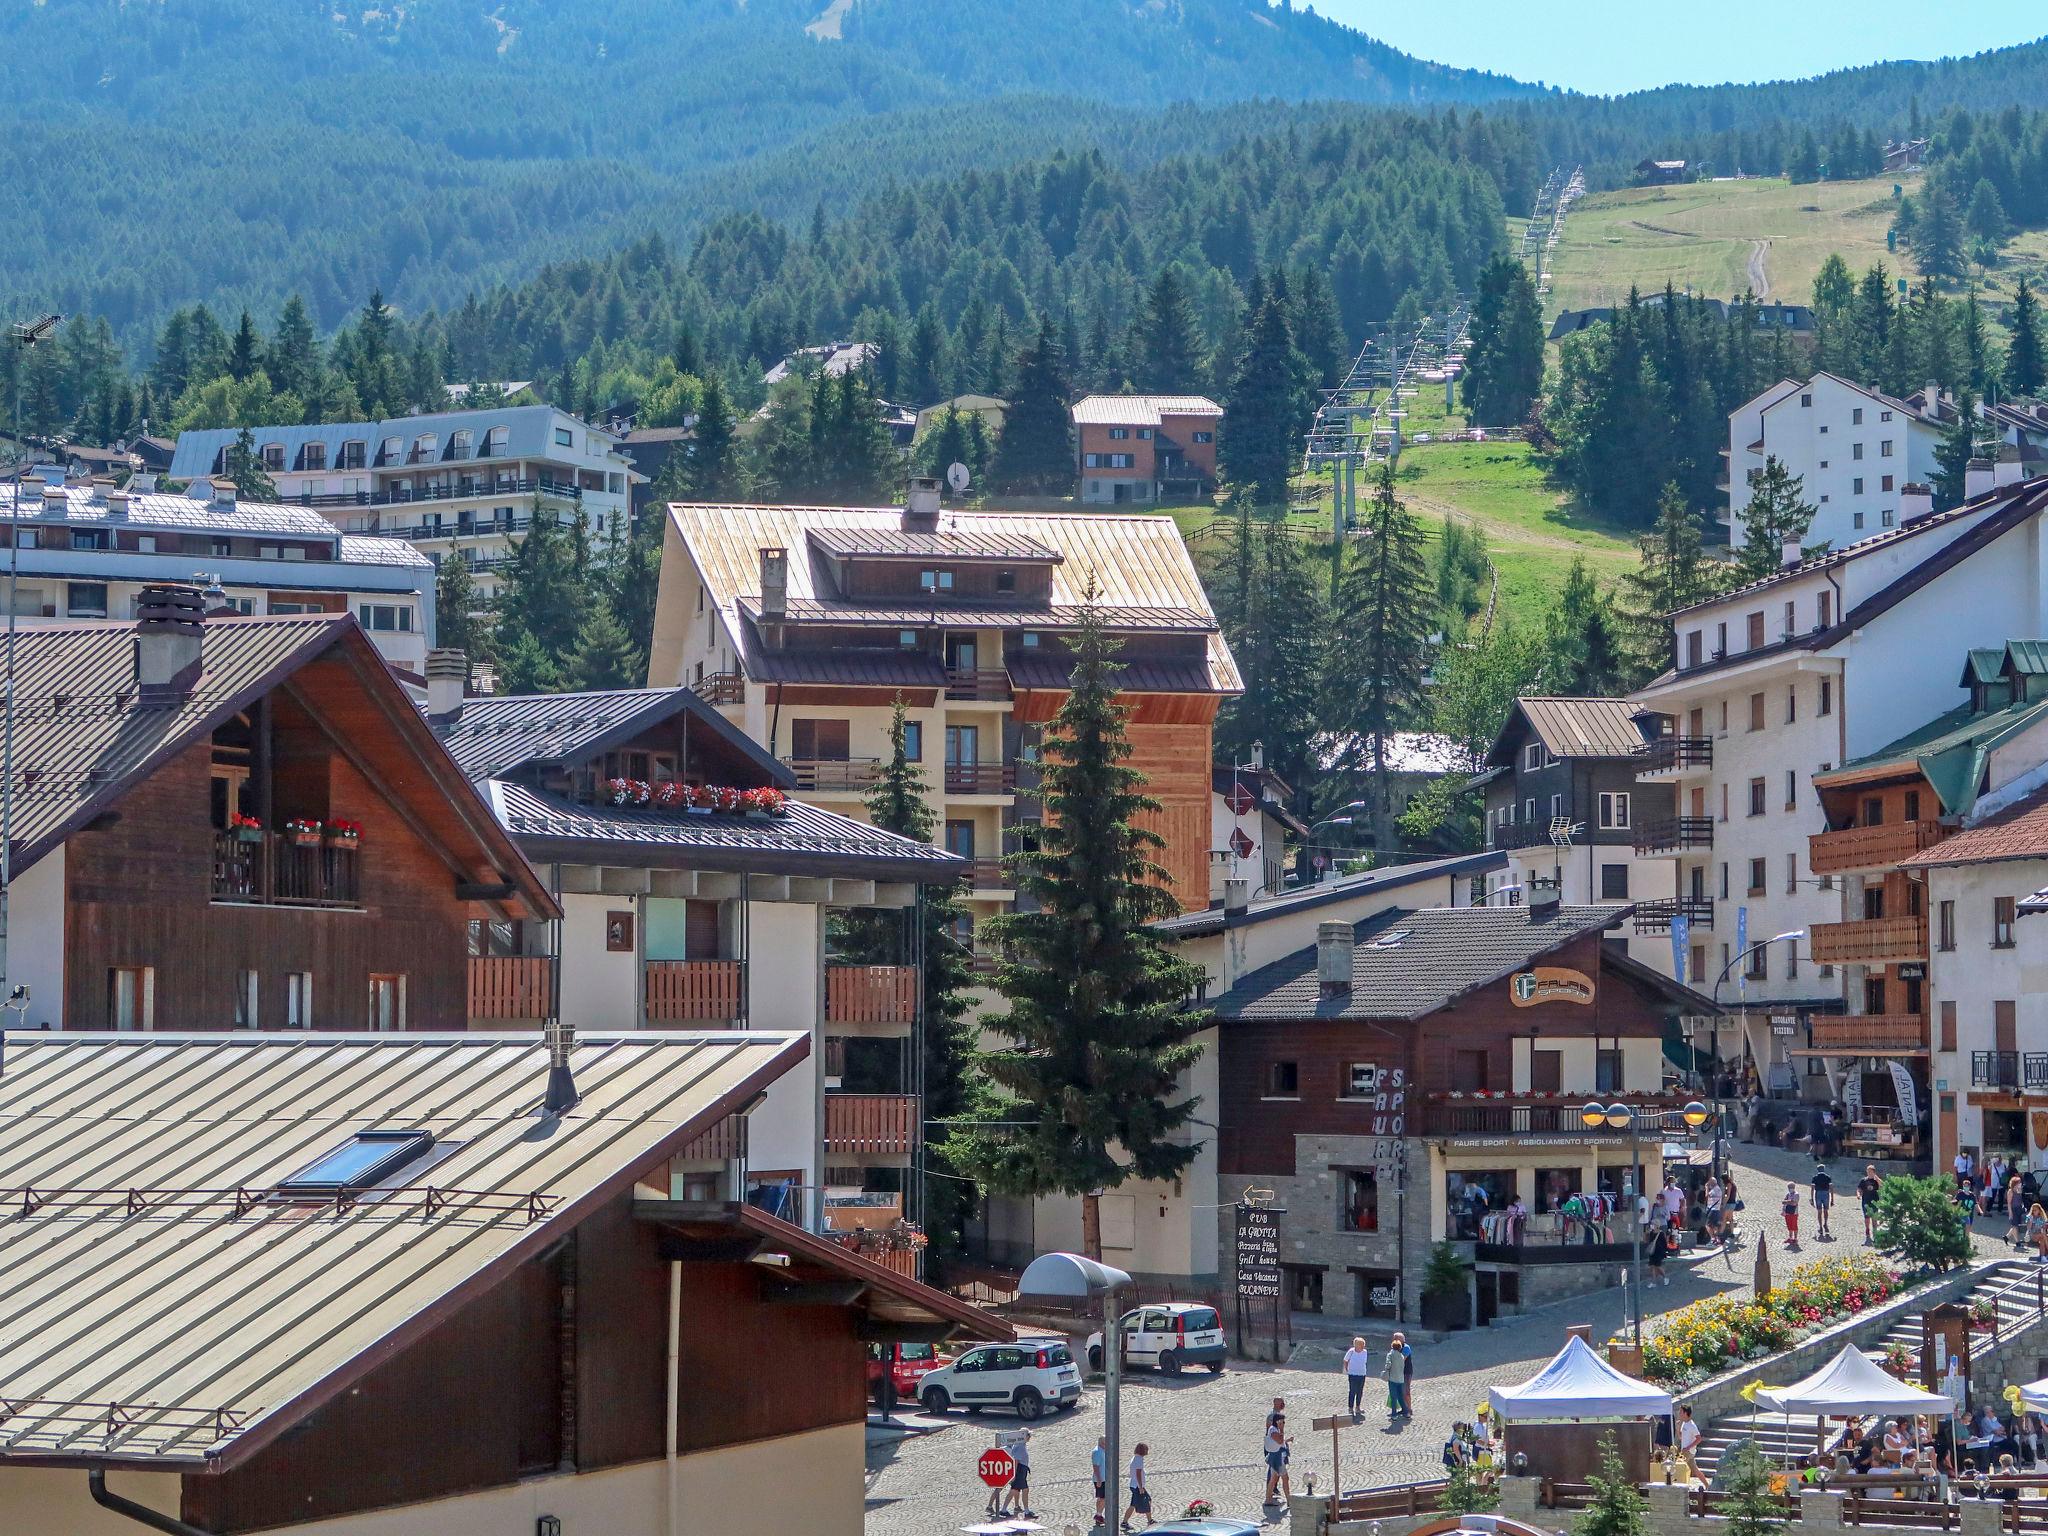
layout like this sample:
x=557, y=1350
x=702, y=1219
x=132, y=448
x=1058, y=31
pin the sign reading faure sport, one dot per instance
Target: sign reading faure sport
x=1550, y=984
x=1258, y=1252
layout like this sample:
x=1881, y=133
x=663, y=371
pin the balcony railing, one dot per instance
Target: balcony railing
x=870, y=1124
x=985, y=875
x=721, y=688
x=966, y=683
x=688, y=991
x=397, y=495
x=833, y=773
x=1518, y=834
x=1667, y=754
x=980, y=778
x=510, y=986
x=1870, y=941
x=871, y=994
x=1544, y=1114
x=725, y=1140
x=1871, y=1034
x=1879, y=847
x=2009, y=1069
x=1656, y=916
x=271, y=869
x=1675, y=834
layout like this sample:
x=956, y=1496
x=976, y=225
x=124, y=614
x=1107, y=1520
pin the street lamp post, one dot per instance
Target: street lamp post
x=1619, y=1116
x=1790, y=936
x=1075, y=1276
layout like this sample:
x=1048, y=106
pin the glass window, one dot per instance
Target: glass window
x=352, y=453
x=564, y=438
x=1283, y=1080
x=2001, y=922
x=1361, y=1200
x=247, y=986
x=86, y=599
x=1945, y=930
x=366, y=1159
x=387, y=1002
x=273, y=456
x=1362, y=1081
x=298, y=999
x=913, y=740
x=1614, y=810
x=1614, y=882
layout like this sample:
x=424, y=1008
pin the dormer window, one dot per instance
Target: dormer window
x=907, y=639
x=273, y=456
x=1028, y=640
x=313, y=456
x=1006, y=581
x=423, y=448
x=352, y=453
x=458, y=444
x=494, y=442
x=935, y=581
x=392, y=451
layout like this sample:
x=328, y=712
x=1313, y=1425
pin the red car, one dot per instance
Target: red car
x=908, y=1363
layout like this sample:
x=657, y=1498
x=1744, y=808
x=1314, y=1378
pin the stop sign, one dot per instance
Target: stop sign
x=997, y=1467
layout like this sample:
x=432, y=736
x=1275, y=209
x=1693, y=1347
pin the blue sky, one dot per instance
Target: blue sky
x=1609, y=46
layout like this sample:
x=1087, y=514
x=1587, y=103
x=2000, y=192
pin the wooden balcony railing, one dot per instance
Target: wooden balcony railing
x=1870, y=941
x=725, y=1140
x=980, y=778
x=691, y=991
x=1675, y=834
x=721, y=688
x=1880, y=847
x=510, y=986
x=967, y=683
x=834, y=773
x=1872, y=1034
x=273, y=869
x=1655, y=916
x=871, y=994
x=1669, y=753
x=870, y=1124
x=985, y=875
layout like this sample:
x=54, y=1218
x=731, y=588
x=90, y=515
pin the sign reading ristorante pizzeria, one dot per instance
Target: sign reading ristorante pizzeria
x=1550, y=984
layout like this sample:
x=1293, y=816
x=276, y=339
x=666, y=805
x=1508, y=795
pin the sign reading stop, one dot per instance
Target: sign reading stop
x=997, y=1467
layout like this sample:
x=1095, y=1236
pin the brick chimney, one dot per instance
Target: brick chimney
x=921, y=505
x=170, y=621
x=1334, y=944
x=447, y=681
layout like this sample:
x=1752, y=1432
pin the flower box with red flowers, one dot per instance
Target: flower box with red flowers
x=247, y=829
x=303, y=832
x=344, y=834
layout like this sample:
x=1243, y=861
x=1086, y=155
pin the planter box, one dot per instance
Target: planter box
x=248, y=834
x=343, y=842
x=305, y=839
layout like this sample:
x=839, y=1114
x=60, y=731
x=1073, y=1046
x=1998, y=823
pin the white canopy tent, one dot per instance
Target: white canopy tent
x=1852, y=1383
x=1578, y=1384
x=2034, y=1396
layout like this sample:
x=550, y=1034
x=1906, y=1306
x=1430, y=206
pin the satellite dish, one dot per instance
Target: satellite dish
x=956, y=477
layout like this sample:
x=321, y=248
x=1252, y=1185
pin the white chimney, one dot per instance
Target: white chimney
x=921, y=506
x=1237, y=894
x=1978, y=479
x=141, y=484
x=117, y=504
x=224, y=493
x=447, y=681
x=774, y=582
x=1789, y=554
x=170, y=621
x=1932, y=409
x=55, y=499
x=2008, y=470
x=1334, y=944
x=1915, y=501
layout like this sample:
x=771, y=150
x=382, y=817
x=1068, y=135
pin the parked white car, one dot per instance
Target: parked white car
x=1028, y=1376
x=1169, y=1337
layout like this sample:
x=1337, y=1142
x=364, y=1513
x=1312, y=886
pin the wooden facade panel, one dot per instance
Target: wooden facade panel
x=1175, y=760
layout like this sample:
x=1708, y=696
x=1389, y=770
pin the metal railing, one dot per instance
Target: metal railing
x=405, y=495
x=1675, y=834
x=1656, y=916
x=1549, y=1114
x=1668, y=753
x=2009, y=1069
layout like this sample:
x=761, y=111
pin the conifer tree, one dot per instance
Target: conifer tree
x=1096, y=1034
x=245, y=468
x=1171, y=362
x=1504, y=362
x=525, y=667
x=1953, y=453
x=1319, y=329
x=2026, y=369
x=1582, y=640
x=544, y=596
x=1036, y=454
x=1258, y=442
x=1382, y=619
x=1777, y=515
x=293, y=361
x=1617, y=1507
x=1938, y=236
x=457, y=625
x=604, y=655
x=1672, y=572
x=1749, y=1507
x=245, y=354
x=711, y=453
x=1276, y=624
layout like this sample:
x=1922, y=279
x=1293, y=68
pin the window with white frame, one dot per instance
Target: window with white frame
x=298, y=999
x=1614, y=810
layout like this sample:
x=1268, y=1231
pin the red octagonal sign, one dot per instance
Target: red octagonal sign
x=997, y=1467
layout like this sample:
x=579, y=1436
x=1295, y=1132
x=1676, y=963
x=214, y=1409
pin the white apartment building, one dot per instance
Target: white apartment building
x=460, y=483
x=1825, y=661
x=1854, y=450
x=87, y=549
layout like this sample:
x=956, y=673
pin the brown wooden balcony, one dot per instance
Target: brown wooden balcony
x=985, y=875
x=1871, y=1034
x=724, y=1141
x=872, y=994
x=510, y=986
x=1656, y=916
x=1870, y=941
x=870, y=1124
x=834, y=774
x=1675, y=834
x=1545, y=1115
x=981, y=778
x=721, y=688
x=1879, y=847
x=693, y=991
x=1673, y=754
x=276, y=870
x=968, y=683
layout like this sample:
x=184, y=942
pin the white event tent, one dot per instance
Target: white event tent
x=1852, y=1383
x=1578, y=1384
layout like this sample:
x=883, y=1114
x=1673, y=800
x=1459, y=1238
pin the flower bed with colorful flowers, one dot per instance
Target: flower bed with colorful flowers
x=1708, y=1337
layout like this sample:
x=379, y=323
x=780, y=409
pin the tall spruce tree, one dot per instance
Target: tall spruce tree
x=1096, y=1033
x=1383, y=615
x=1777, y=515
x=1257, y=446
x=604, y=655
x=2026, y=369
x=1504, y=362
x=711, y=468
x=540, y=609
x=1173, y=359
x=1036, y=454
x=1953, y=453
x=457, y=624
x=245, y=353
x=1672, y=572
x=1583, y=650
x=245, y=468
x=1276, y=624
x=1938, y=236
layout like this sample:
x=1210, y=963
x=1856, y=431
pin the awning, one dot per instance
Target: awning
x=1852, y=1383
x=1578, y=1384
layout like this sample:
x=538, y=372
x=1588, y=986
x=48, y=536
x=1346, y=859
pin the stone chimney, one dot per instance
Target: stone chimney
x=1237, y=895
x=1931, y=406
x=2008, y=470
x=774, y=582
x=170, y=621
x=1334, y=943
x=921, y=506
x=55, y=500
x=1789, y=554
x=1915, y=501
x=223, y=493
x=1977, y=479
x=447, y=681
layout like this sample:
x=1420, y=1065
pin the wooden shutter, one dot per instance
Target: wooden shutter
x=2004, y=1026
x=1948, y=1025
x=700, y=930
x=1546, y=1071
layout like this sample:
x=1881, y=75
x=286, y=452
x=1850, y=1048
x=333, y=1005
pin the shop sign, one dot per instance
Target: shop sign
x=1550, y=984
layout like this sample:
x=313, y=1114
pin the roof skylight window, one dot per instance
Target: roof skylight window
x=363, y=1162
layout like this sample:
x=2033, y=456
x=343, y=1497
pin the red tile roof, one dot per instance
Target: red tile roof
x=2020, y=831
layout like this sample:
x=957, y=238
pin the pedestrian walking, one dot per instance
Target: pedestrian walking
x=1140, y=1491
x=1394, y=1370
x=1660, y=1244
x=1098, y=1465
x=1357, y=1369
x=1790, y=1206
x=1018, y=1501
x=1823, y=1202
x=2016, y=1214
x=1407, y=1377
x=2037, y=1231
x=1279, y=1451
x=1688, y=1441
x=1712, y=1198
x=1867, y=1189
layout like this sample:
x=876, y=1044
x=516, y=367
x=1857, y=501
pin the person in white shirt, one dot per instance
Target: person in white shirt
x=1357, y=1370
x=1688, y=1438
x=1141, y=1494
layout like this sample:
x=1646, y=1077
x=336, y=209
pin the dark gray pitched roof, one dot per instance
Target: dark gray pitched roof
x=1570, y=727
x=1214, y=919
x=1411, y=963
x=492, y=736
x=807, y=840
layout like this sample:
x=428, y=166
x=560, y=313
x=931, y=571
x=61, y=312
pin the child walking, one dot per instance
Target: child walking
x=1791, y=1206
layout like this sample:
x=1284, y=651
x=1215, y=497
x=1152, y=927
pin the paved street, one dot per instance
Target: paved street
x=1205, y=1431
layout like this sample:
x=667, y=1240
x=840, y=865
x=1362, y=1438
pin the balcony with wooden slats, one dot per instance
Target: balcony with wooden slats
x=1879, y=847
x=872, y=1129
x=1871, y=1034
x=510, y=988
x=1674, y=756
x=871, y=1001
x=723, y=1142
x=1870, y=941
x=693, y=991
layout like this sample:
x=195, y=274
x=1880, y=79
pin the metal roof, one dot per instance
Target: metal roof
x=1576, y=727
x=197, y=1325
x=1409, y=963
x=821, y=840
x=1139, y=410
x=87, y=507
x=1215, y=919
x=493, y=735
x=1147, y=675
x=1132, y=561
x=529, y=434
x=896, y=544
x=969, y=614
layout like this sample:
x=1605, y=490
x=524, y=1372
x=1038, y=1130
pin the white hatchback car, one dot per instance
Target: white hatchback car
x=1029, y=1376
x=1169, y=1336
